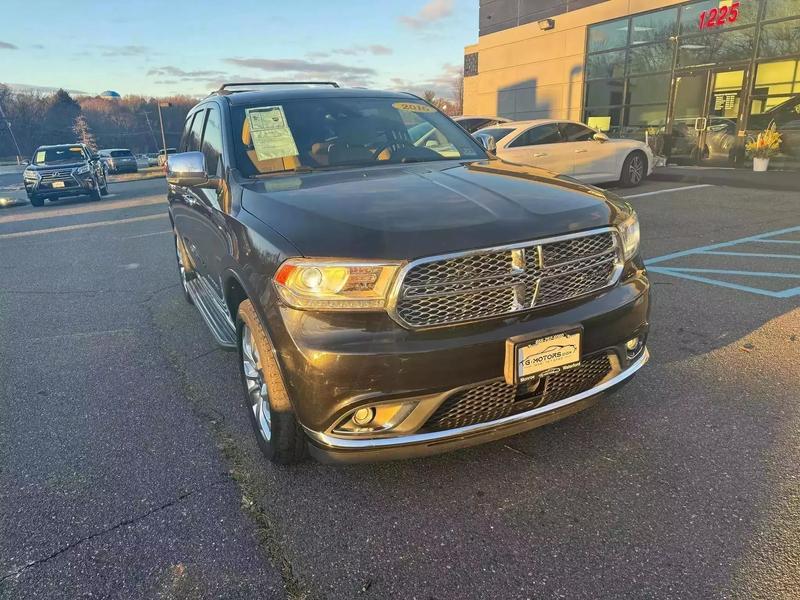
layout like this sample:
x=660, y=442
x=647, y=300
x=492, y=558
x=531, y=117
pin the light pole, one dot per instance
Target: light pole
x=8, y=124
x=163, y=137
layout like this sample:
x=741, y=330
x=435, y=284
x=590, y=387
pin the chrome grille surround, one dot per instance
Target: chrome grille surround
x=55, y=174
x=481, y=284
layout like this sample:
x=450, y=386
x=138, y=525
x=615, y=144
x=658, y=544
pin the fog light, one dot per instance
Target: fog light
x=364, y=416
x=632, y=344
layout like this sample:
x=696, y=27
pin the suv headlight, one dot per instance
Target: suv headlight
x=330, y=284
x=629, y=232
x=83, y=170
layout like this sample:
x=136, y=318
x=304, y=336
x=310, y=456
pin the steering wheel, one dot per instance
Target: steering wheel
x=393, y=146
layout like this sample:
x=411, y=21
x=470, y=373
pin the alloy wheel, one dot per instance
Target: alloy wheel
x=636, y=169
x=256, y=387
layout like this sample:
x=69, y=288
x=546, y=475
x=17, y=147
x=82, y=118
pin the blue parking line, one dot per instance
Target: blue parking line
x=756, y=254
x=753, y=238
x=696, y=274
x=728, y=272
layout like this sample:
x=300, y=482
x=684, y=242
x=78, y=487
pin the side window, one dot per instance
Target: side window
x=574, y=132
x=186, y=129
x=196, y=134
x=212, y=143
x=535, y=136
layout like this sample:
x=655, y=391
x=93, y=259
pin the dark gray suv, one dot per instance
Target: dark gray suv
x=64, y=170
x=392, y=295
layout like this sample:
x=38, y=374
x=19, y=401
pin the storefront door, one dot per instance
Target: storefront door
x=704, y=115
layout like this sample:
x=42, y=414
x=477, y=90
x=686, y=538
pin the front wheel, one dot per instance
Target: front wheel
x=280, y=437
x=95, y=193
x=104, y=185
x=634, y=169
x=36, y=200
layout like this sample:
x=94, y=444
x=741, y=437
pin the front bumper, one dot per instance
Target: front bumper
x=335, y=362
x=330, y=449
x=74, y=186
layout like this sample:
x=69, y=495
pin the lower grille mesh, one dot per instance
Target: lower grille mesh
x=496, y=399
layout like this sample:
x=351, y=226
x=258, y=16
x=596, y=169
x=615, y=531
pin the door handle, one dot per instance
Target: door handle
x=540, y=154
x=581, y=151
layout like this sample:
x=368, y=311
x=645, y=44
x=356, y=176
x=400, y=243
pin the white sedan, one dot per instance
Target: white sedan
x=570, y=148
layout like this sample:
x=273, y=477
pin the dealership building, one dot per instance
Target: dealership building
x=690, y=77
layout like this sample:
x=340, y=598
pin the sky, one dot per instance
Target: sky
x=166, y=47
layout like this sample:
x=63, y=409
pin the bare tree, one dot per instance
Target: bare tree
x=458, y=94
x=429, y=95
x=84, y=132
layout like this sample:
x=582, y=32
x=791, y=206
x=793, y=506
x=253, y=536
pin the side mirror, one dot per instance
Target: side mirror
x=600, y=137
x=187, y=169
x=487, y=141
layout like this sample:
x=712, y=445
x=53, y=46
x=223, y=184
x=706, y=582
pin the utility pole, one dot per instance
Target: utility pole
x=150, y=127
x=163, y=137
x=14, y=139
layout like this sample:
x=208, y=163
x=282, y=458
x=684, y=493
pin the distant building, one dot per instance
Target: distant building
x=110, y=95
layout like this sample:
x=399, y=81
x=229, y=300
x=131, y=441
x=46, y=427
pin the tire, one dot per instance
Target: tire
x=280, y=437
x=36, y=200
x=184, y=269
x=95, y=194
x=104, y=186
x=634, y=169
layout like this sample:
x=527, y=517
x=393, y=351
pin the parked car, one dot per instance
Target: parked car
x=387, y=300
x=474, y=123
x=162, y=158
x=64, y=170
x=119, y=160
x=152, y=159
x=573, y=149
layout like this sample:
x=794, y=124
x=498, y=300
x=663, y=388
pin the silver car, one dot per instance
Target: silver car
x=119, y=160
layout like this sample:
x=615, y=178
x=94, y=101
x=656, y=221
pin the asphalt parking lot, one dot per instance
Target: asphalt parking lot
x=128, y=467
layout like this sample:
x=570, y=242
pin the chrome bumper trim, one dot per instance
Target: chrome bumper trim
x=337, y=443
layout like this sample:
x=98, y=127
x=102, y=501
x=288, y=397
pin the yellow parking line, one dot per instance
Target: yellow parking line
x=81, y=226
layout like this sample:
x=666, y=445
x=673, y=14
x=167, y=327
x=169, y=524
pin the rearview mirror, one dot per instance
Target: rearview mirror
x=487, y=141
x=600, y=137
x=187, y=169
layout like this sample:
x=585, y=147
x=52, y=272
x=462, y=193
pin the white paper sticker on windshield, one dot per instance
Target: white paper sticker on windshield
x=270, y=133
x=39, y=157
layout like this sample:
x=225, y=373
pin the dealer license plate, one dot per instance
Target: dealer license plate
x=542, y=355
x=58, y=184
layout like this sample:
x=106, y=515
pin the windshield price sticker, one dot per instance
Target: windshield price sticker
x=413, y=107
x=270, y=133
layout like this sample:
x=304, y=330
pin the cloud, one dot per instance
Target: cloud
x=7, y=46
x=42, y=89
x=179, y=74
x=434, y=10
x=441, y=83
x=299, y=69
x=127, y=50
x=374, y=49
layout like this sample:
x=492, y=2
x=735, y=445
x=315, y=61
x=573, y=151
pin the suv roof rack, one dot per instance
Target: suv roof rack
x=249, y=86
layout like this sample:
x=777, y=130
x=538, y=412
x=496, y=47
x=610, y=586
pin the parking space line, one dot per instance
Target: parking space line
x=727, y=284
x=670, y=190
x=81, y=226
x=655, y=265
x=756, y=254
x=778, y=241
x=752, y=238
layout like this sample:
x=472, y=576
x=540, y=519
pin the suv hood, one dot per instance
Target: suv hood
x=411, y=211
x=56, y=165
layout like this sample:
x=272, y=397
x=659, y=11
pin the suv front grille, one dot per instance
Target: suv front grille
x=48, y=176
x=496, y=399
x=490, y=283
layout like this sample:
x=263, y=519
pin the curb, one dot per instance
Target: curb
x=780, y=181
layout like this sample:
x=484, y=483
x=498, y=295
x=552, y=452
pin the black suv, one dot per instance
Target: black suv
x=390, y=298
x=64, y=170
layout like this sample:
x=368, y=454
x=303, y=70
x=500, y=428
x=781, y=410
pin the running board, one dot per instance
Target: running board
x=214, y=311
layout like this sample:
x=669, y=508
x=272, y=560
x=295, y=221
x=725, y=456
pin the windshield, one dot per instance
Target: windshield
x=498, y=133
x=58, y=154
x=119, y=153
x=345, y=132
